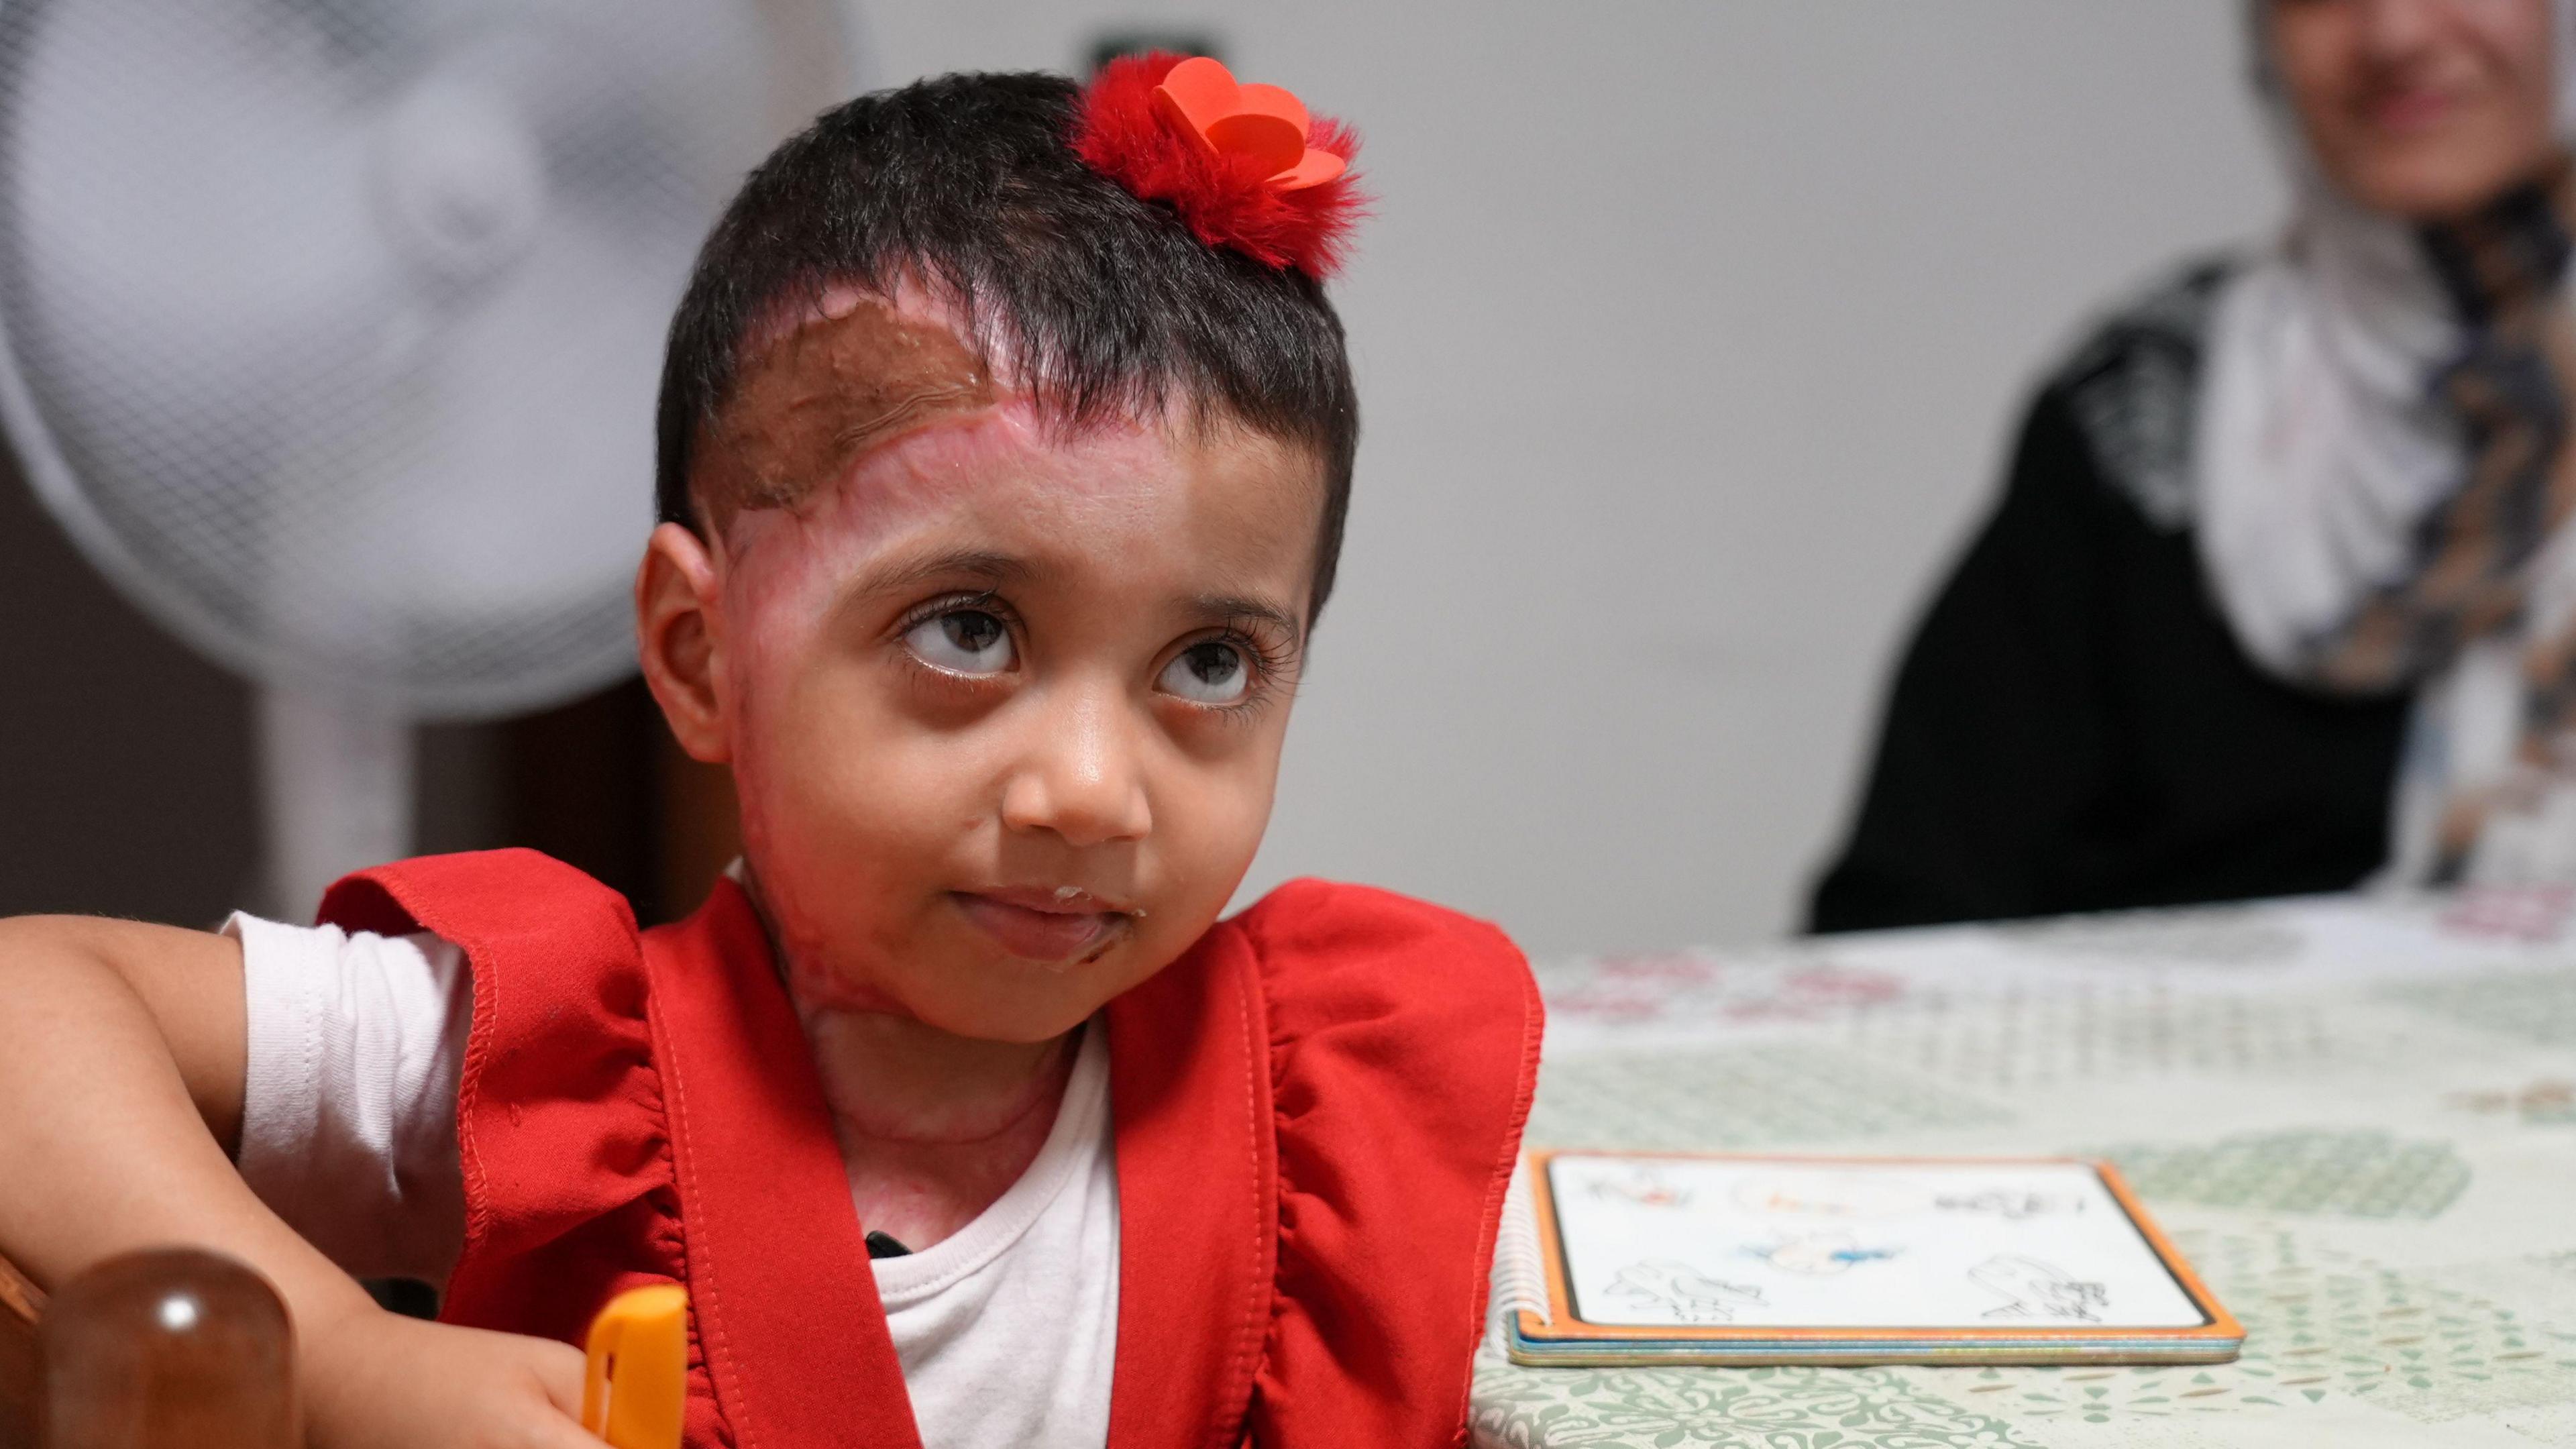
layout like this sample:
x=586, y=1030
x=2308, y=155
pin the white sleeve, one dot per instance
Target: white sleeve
x=355, y=1044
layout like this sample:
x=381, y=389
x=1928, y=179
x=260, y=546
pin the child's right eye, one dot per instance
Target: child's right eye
x=962, y=641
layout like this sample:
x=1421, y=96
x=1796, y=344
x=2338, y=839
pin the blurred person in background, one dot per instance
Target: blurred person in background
x=2280, y=596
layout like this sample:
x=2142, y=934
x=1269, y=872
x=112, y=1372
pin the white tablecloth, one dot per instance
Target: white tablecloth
x=2357, y=1116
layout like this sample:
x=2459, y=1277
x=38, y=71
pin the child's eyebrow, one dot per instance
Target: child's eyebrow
x=901, y=575
x=898, y=574
x=1223, y=607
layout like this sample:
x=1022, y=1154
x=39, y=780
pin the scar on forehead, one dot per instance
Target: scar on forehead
x=855, y=372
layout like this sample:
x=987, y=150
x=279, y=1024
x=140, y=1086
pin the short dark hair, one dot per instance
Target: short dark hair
x=970, y=183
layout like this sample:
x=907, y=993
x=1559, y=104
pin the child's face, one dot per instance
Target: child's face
x=1004, y=705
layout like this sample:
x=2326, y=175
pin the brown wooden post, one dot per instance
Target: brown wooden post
x=170, y=1348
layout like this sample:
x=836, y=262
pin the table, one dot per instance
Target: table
x=2356, y=1115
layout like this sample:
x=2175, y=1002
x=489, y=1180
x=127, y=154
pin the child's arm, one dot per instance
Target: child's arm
x=122, y=1054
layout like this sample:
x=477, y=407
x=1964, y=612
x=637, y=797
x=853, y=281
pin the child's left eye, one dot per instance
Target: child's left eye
x=962, y=641
x=1211, y=672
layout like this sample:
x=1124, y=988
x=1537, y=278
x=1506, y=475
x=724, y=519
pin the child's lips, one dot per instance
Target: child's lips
x=1040, y=926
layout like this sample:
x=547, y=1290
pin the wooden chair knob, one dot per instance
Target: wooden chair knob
x=167, y=1348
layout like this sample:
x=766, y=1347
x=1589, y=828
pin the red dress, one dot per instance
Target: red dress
x=1316, y=1110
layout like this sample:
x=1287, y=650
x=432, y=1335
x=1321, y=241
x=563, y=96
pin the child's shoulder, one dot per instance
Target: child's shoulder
x=1403, y=1046
x=1308, y=923
x=1333, y=954
x=510, y=894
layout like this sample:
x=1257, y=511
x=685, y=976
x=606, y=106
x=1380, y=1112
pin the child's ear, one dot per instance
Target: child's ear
x=679, y=631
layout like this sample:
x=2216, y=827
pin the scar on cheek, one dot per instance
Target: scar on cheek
x=854, y=373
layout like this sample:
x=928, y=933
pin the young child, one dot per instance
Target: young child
x=1006, y=439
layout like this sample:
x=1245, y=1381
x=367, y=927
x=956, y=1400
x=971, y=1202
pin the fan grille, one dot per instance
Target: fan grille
x=332, y=329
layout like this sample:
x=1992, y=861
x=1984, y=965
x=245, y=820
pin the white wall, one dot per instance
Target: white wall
x=1690, y=336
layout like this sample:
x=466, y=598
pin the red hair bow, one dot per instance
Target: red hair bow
x=1244, y=166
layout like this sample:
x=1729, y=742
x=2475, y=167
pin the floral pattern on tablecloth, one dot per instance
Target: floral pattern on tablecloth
x=2101, y=1030
x=2319, y=1325
x=1746, y=988
x=2536, y=1006
x=1773, y=1408
x=2223, y=935
x=2351, y=1114
x=1760, y=1094
x=2362, y=1173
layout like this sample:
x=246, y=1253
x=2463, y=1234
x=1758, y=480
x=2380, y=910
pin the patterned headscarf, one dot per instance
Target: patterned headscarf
x=2383, y=472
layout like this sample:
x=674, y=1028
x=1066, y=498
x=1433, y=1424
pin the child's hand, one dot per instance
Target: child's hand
x=378, y=1379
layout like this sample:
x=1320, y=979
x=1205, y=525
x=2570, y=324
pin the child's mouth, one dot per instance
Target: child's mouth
x=1056, y=932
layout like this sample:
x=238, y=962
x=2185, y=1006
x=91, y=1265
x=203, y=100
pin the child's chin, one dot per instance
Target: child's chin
x=1015, y=1021
x=1000, y=998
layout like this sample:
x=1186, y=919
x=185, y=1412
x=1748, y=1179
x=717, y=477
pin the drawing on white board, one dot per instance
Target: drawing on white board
x=1682, y=1291
x=2034, y=1289
x=1819, y=1255
x=2010, y=1205
x=1643, y=1186
x=1831, y=1196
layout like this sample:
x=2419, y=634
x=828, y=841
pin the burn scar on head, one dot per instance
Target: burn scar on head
x=854, y=371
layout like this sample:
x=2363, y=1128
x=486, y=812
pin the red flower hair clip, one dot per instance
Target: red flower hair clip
x=1244, y=165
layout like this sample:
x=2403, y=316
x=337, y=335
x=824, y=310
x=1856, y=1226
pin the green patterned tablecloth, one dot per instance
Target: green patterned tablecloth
x=2356, y=1116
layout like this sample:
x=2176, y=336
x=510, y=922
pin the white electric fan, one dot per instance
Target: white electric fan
x=330, y=332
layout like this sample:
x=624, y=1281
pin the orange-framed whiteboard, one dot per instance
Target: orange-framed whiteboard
x=1733, y=1258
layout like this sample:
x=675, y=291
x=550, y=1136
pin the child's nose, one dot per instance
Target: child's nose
x=1082, y=776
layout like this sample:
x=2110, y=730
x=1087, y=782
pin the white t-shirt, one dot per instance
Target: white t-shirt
x=1007, y=1330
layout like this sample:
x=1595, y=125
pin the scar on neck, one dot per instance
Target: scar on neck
x=853, y=374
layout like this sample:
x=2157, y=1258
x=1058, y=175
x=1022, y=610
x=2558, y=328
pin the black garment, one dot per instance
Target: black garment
x=2074, y=727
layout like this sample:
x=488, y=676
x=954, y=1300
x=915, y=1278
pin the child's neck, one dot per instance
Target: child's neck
x=933, y=1128
x=891, y=1079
